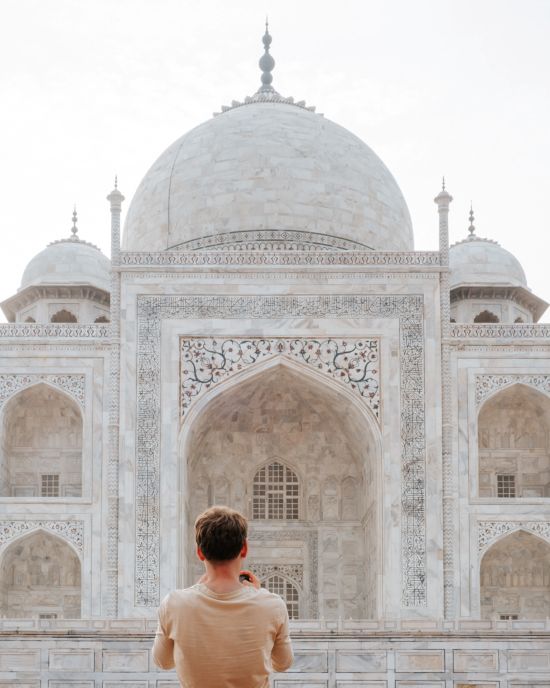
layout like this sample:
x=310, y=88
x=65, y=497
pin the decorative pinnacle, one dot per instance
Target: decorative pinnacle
x=74, y=228
x=471, y=228
x=443, y=184
x=116, y=181
x=266, y=63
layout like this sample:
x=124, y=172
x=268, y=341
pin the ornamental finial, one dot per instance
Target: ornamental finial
x=74, y=228
x=267, y=63
x=471, y=228
x=116, y=181
x=443, y=184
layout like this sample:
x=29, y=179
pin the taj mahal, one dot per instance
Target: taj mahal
x=264, y=335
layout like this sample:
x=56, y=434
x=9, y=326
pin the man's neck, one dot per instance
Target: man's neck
x=222, y=578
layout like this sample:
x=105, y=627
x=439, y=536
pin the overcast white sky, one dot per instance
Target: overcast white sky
x=90, y=88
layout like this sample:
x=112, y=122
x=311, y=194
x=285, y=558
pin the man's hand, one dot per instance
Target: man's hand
x=252, y=581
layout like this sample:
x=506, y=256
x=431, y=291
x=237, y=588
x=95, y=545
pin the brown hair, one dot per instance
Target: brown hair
x=220, y=532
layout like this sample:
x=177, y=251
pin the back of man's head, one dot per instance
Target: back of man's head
x=220, y=532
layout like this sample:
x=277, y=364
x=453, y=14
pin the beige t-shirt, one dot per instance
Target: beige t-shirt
x=229, y=640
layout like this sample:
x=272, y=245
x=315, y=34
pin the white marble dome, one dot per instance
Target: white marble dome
x=68, y=262
x=477, y=261
x=268, y=170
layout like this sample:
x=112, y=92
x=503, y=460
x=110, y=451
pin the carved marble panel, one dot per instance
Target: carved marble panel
x=72, y=384
x=72, y=531
x=207, y=361
x=489, y=531
x=486, y=385
x=152, y=310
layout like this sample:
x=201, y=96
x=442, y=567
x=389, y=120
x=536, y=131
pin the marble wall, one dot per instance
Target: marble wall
x=116, y=654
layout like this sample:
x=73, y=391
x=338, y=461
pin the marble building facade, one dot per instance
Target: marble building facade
x=265, y=336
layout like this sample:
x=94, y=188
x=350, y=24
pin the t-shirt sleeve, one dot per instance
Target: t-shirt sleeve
x=282, y=655
x=163, y=647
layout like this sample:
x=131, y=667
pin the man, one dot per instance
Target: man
x=223, y=632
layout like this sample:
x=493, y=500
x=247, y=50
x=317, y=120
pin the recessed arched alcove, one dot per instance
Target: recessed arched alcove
x=515, y=578
x=41, y=444
x=299, y=456
x=514, y=444
x=40, y=578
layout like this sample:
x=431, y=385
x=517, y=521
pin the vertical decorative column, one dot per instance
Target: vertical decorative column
x=443, y=200
x=115, y=199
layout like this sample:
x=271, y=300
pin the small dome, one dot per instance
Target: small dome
x=69, y=261
x=268, y=170
x=476, y=261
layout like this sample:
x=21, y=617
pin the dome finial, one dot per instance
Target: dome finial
x=74, y=228
x=443, y=184
x=267, y=63
x=471, y=228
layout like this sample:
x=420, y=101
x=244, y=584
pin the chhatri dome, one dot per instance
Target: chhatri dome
x=268, y=172
x=478, y=261
x=70, y=261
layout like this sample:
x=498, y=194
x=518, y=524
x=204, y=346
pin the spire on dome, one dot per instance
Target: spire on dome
x=471, y=228
x=266, y=63
x=74, y=228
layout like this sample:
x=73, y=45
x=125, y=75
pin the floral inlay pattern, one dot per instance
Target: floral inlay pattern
x=205, y=362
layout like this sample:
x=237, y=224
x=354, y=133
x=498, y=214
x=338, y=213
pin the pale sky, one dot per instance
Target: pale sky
x=94, y=88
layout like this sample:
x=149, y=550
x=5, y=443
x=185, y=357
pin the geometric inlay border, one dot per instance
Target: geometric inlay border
x=207, y=361
x=152, y=310
x=487, y=384
x=73, y=531
x=72, y=384
x=489, y=531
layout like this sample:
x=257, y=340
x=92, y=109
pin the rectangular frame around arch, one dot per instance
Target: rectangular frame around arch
x=408, y=309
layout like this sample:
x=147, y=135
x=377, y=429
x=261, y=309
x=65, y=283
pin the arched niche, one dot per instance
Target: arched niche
x=40, y=578
x=324, y=436
x=514, y=444
x=486, y=317
x=41, y=444
x=64, y=316
x=515, y=578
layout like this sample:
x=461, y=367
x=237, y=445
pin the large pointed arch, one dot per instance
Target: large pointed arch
x=288, y=410
x=41, y=443
x=40, y=574
x=513, y=442
x=514, y=574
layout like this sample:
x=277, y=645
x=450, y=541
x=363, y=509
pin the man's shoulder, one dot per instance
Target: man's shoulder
x=180, y=596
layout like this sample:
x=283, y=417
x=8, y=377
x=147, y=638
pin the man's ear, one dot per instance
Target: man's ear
x=200, y=555
x=244, y=550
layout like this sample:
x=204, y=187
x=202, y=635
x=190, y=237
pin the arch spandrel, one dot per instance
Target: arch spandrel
x=352, y=362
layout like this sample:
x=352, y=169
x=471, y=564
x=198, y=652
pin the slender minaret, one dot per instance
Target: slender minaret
x=115, y=199
x=443, y=200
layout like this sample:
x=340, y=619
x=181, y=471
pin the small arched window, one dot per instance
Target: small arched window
x=519, y=320
x=486, y=317
x=30, y=320
x=102, y=319
x=275, y=493
x=63, y=316
x=284, y=588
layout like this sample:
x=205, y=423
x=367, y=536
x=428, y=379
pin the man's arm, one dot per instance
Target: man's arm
x=163, y=647
x=282, y=655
